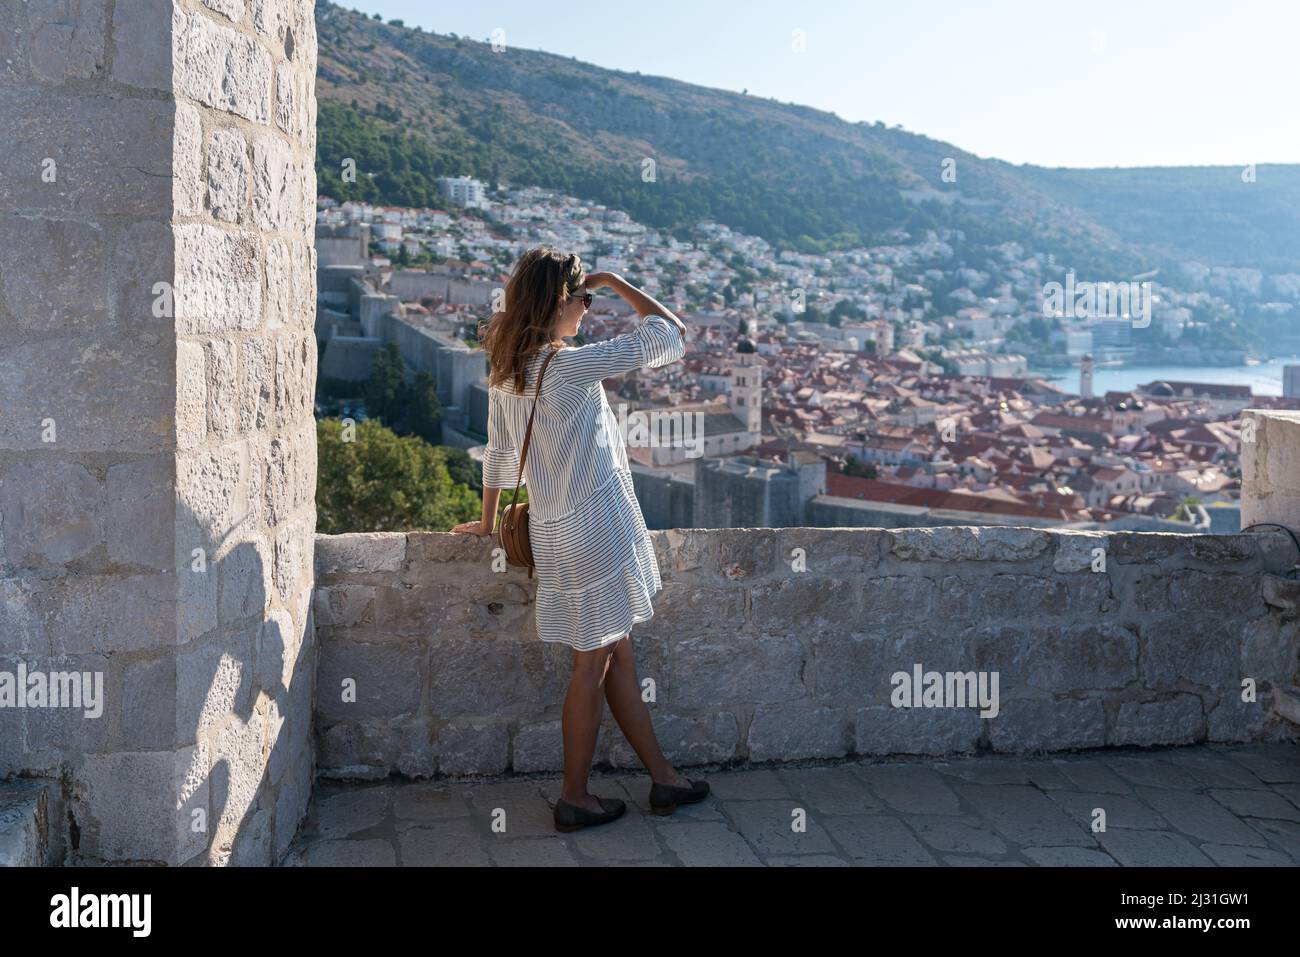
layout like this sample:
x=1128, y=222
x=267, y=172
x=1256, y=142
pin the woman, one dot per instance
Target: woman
x=595, y=564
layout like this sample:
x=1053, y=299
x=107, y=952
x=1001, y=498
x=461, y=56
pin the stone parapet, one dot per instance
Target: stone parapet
x=776, y=644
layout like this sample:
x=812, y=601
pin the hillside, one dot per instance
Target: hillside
x=410, y=106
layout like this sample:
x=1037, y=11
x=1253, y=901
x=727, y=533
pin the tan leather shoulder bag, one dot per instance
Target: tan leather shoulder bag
x=513, y=533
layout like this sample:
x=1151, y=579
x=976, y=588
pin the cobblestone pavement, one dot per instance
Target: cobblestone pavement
x=1207, y=805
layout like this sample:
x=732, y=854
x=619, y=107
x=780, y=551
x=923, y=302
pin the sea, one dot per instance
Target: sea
x=1264, y=378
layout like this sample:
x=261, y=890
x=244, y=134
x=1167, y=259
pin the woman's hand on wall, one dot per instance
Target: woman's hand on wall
x=472, y=528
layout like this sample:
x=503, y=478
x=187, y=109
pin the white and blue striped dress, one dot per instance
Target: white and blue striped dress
x=596, y=567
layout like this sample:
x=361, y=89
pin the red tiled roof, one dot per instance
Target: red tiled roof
x=871, y=490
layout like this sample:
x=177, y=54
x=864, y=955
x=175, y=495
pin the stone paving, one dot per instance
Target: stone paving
x=1196, y=806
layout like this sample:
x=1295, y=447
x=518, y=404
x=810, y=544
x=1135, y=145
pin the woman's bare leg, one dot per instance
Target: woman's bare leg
x=580, y=723
x=633, y=717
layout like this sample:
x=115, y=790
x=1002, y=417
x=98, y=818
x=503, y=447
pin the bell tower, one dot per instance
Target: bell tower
x=1085, y=377
x=746, y=386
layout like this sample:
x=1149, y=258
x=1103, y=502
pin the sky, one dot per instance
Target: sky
x=1048, y=82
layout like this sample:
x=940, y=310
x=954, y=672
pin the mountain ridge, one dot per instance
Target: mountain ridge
x=410, y=106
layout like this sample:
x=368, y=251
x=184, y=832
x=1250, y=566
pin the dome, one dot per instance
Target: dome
x=746, y=344
x=1161, y=388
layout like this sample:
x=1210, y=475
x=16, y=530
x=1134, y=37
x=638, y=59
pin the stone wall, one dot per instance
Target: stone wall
x=157, y=449
x=1270, y=468
x=781, y=644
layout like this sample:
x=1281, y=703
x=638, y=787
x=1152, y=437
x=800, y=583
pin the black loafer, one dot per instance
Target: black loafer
x=664, y=798
x=570, y=817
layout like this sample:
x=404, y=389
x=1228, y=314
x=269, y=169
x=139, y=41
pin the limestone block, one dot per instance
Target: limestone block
x=149, y=826
x=961, y=543
x=109, y=155
x=221, y=372
x=54, y=274
x=368, y=751
x=1028, y=724
x=1176, y=720
x=52, y=512
x=256, y=396
x=236, y=776
x=387, y=680
x=212, y=486
x=1269, y=650
x=214, y=680
x=787, y=732
x=1217, y=592
x=228, y=175
x=148, y=705
x=245, y=580
x=744, y=553
x=360, y=552
x=539, y=747
x=123, y=401
x=1235, y=721
x=698, y=739
x=1135, y=548
x=231, y=9
x=883, y=729
x=66, y=40
x=188, y=177
x=291, y=804
x=52, y=732
x=892, y=600
x=289, y=276
x=852, y=665
x=277, y=653
x=22, y=628
x=1082, y=657
x=222, y=68
x=706, y=672
x=276, y=204
x=1077, y=551
x=102, y=613
x=142, y=40
x=1189, y=648
x=1223, y=549
x=218, y=280
x=191, y=395
x=492, y=678
x=685, y=608
x=834, y=552
x=428, y=553
x=473, y=747
x=344, y=605
x=1282, y=594
x=272, y=18
x=1002, y=596
x=802, y=604
x=197, y=584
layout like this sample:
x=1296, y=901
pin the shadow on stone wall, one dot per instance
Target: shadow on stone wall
x=779, y=644
x=207, y=694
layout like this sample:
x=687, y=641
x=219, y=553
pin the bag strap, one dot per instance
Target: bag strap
x=528, y=434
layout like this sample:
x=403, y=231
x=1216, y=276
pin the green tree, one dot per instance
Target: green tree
x=384, y=388
x=383, y=482
x=465, y=471
x=422, y=414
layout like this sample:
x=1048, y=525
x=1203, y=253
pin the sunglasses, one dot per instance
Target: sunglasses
x=586, y=298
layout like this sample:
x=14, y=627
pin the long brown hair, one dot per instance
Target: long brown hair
x=540, y=286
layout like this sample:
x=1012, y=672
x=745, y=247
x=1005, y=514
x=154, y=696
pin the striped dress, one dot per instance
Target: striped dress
x=596, y=567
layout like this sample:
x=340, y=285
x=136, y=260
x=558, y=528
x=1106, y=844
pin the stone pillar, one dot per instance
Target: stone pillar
x=157, y=444
x=1270, y=468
